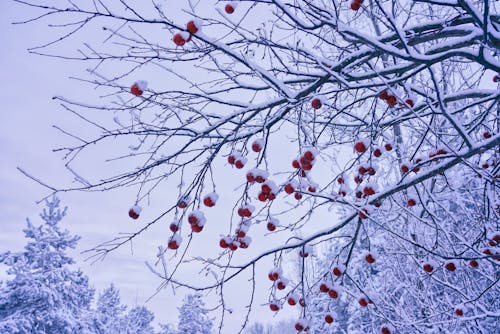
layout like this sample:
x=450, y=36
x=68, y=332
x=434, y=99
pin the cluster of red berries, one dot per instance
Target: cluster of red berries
x=197, y=221
x=392, y=100
x=192, y=27
x=237, y=159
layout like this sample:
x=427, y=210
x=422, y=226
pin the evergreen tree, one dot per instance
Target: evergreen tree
x=193, y=317
x=138, y=320
x=109, y=311
x=45, y=295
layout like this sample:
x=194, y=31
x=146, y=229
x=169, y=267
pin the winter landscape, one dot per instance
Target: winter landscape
x=250, y=167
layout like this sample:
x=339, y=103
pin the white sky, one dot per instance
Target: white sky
x=26, y=140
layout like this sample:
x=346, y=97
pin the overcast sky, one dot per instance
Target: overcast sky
x=27, y=139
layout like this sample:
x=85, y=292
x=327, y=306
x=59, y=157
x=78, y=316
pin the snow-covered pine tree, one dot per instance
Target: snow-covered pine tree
x=193, y=316
x=108, y=317
x=45, y=295
x=138, y=320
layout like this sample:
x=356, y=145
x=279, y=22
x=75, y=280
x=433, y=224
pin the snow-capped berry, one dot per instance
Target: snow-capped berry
x=138, y=87
x=275, y=274
x=194, y=26
x=298, y=196
x=257, y=145
x=360, y=146
x=224, y=242
x=175, y=241
x=305, y=251
x=174, y=226
x=181, y=38
x=272, y=224
x=363, y=213
x=292, y=299
x=281, y=284
x=410, y=102
x=316, y=103
x=196, y=218
x=450, y=265
x=134, y=212
x=234, y=245
x=388, y=147
x=231, y=159
x=183, y=203
x=274, y=306
x=289, y=188
x=240, y=162
x=210, y=199
x=302, y=325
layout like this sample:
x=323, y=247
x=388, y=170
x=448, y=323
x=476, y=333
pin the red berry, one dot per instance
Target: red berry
x=182, y=204
x=311, y=189
x=459, y=312
x=486, y=135
x=223, y=243
x=362, y=170
x=428, y=268
x=262, y=196
x=191, y=27
x=369, y=258
x=340, y=180
x=377, y=152
x=359, y=194
x=384, y=95
x=385, y=330
x=179, y=39
x=231, y=159
x=411, y=202
x=355, y=5
x=298, y=196
x=328, y=319
x=271, y=196
x=295, y=164
x=363, y=302
x=256, y=147
x=316, y=103
x=289, y=188
x=410, y=102
x=377, y=204
x=337, y=271
x=281, y=285
x=473, y=263
x=323, y=287
x=135, y=90
x=291, y=301
x=271, y=227
x=239, y=164
x=173, y=244
x=496, y=78
x=302, y=302
x=359, y=147
x=196, y=228
x=405, y=169
x=363, y=213
x=229, y=9
x=333, y=294
x=174, y=227
x=233, y=246
x=358, y=179
x=299, y=327
x=450, y=266
x=132, y=214
x=391, y=100
x=208, y=202
x=388, y=147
